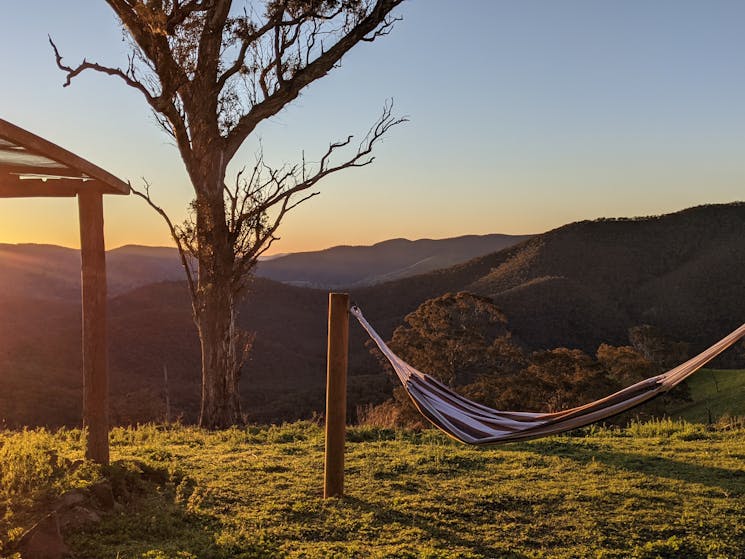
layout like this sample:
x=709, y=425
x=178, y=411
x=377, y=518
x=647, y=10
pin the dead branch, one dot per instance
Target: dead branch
x=185, y=248
x=282, y=190
x=127, y=77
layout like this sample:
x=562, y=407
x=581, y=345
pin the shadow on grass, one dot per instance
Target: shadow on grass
x=166, y=516
x=387, y=515
x=731, y=481
x=156, y=521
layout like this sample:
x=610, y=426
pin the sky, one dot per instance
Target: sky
x=524, y=115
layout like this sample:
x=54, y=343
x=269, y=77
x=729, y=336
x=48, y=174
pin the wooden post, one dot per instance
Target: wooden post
x=167, y=394
x=336, y=394
x=95, y=366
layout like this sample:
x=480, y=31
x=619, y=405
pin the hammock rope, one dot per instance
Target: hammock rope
x=473, y=423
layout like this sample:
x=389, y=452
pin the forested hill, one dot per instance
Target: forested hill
x=355, y=266
x=576, y=286
x=588, y=282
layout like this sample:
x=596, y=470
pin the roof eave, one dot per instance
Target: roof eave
x=103, y=181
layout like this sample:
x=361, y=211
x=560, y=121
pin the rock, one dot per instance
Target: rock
x=78, y=517
x=121, y=491
x=70, y=499
x=154, y=475
x=104, y=494
x=44, y=540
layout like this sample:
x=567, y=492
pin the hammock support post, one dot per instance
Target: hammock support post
x=336, y=394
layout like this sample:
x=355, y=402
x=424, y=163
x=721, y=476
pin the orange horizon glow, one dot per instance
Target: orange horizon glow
x=6, y=239
x=51, y=221
x=55, y=222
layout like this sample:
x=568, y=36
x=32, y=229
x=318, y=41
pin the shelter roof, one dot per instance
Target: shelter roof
x=31, y=166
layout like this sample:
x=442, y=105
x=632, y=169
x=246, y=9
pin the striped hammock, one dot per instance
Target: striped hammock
x=473, y=423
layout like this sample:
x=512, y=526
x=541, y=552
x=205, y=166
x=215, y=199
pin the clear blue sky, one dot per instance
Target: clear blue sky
x=525, y=115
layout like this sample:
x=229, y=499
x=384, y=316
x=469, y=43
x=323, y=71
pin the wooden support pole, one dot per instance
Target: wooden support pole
x=167, y=394
x=336, y=394
x=95, y=366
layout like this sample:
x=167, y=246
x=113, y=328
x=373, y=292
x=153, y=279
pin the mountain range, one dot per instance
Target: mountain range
x=48, y=271
x=576, y=286
x=358, y=266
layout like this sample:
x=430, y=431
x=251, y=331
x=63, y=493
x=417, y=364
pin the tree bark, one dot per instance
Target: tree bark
x=221, y=358
x=216, y=304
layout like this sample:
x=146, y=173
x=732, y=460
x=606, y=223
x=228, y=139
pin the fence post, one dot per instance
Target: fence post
x=336, y=394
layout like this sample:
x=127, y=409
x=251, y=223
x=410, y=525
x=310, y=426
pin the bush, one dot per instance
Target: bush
x=29, y=461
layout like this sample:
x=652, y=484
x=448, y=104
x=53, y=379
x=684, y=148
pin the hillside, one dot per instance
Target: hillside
x=658, y=490
x=53, y=272
x=714, y=394
x=588, y=282
x=151, y=328
x=576, y=286
x=357, y=266
x=678, y=272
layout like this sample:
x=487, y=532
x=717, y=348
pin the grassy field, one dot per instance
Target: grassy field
x=658, y=490
x=714, y=394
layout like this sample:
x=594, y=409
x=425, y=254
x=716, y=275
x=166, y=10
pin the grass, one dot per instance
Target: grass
x=715, y=394
x=654, y=490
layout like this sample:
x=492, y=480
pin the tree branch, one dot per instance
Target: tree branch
x=314, y=70
x=184, y=250
x=85, y=65
x=251, y=233
x=160, y=104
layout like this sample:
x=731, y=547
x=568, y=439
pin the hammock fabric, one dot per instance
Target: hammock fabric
x=473, y=423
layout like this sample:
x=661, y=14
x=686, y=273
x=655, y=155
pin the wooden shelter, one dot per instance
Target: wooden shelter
x=31, y=166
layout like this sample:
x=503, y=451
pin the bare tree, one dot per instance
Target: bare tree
x=211, y=74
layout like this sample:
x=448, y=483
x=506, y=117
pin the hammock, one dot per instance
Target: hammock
x=473, y=423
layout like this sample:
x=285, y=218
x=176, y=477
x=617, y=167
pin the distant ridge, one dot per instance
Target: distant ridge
x=51, y=271
x=355, y=266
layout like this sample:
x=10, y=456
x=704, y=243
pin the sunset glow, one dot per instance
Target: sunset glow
x=646, y=120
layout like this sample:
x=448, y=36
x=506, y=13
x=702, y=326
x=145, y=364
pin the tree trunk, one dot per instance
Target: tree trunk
x=215, y=308
x=221, y=358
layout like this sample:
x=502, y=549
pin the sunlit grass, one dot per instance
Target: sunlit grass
x=663, y=489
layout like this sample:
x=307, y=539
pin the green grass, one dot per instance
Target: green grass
x=654, y=490
x=715, y=394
